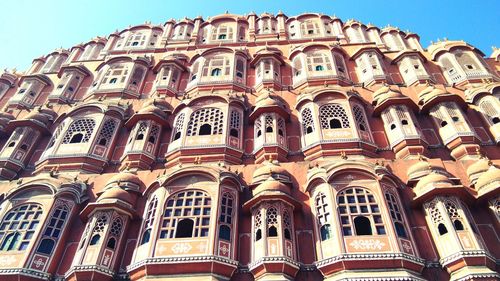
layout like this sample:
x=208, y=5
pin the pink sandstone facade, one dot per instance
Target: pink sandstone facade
x=252, y=148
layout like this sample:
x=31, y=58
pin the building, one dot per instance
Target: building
x=252, y=148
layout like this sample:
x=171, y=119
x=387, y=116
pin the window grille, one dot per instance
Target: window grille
x=219, y=64
x=258, y=225
x=281, y=127
x=179, y=123
x=354, y=203
x=487, y=106
x=211, y=118
x=258, y=127
x=190, y=205
x=153, y=135
x=323, y=215
x=19, y=226
x=149, y=220
x=359, y=116
x=307, y=121
x=107, y=132
x=272, y=222
x=454, y=215
x=287, y=225
x=396, y=215
x=269, y=123
x=141, y=131
x=333, y=111
x=116, y=74
x=81, y=127
x=234, y=123
x=318, y=61
x=136, y=40
x=226, y=216
x=53, y=229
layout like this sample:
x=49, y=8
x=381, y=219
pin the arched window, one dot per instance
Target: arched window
x=95, y=239
x=100, y=223
x=225, y=232
x=323, y=215
x=396, y=215
x=272, y=222
x=234, y=124
x=362, y=225
x=222, y=32
x=136, y=39
x=107, y=131
x=226, y=216
x=111, y=243
x=359, y=116
x=336, y=112
x=287, y=225
x=436, y=217
x=489, y=108
x=442, y=229
x=359, y=212
x=318, y=61
x=269, y=123
x=53, y=229
x=297, y=66
x=213, y=117
x=307, y=121
x=219, y=65
x=116, y=74
x=258, y=225
x=148, y=222
x=179, y=123
x=19, y=226
x=454, y=215
x=79, y=131
x=187, y=214
x=46, y=246
x=216, y=72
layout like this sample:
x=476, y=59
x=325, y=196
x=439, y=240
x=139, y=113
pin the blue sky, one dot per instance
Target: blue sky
x=31, y=28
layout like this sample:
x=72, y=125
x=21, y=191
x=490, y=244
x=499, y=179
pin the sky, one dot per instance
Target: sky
x=32, y=28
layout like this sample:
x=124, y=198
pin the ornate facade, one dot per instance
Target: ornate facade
x=252, y=148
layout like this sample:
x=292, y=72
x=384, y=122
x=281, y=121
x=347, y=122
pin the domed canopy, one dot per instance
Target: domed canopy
x=126, y=180
x=431, y=95
x=40, y=118
x=5, y=118
x=477, y=168
x=270, y=169
x=153, y=109
x=431, y=184
x=389, y=95
x=116, y=193
x=489, y=182
x=422, y=168
x=266, y=102
x=271, y=185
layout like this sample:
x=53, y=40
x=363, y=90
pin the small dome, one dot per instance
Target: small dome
x=267, y=100
x=432, y=178
x=116, y=193
x=44, y=116
x=124, y=178
x=477, y=168
x=385, y=93
x=270, y=169
x=429, y=93
x=421, y=168
x=271, y=185
x=491, y=176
